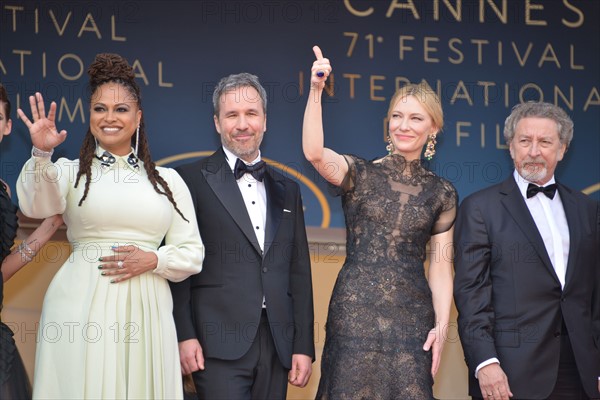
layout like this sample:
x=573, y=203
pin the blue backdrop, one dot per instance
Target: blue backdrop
x=482, y=56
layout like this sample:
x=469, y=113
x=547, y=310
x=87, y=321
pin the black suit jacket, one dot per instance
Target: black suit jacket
x=221, y=306
x=509, y=298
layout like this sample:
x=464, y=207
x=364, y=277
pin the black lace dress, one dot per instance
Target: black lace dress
x=381, y=308
x=14, y=383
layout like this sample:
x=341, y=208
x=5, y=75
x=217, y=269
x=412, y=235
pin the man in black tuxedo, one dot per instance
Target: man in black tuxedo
x=528, y=272
x=245, y=323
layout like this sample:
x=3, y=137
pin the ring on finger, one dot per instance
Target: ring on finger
x=120, y=264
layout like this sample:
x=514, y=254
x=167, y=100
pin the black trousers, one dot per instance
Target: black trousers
x=568, y=383
x=258, y=375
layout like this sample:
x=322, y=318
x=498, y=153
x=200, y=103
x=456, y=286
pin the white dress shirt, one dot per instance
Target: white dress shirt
x=254, y=195
x=551, y=221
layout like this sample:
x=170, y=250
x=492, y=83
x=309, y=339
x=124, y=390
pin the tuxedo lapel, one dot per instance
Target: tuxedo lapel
x=220, y=178
x=275, y=199
x=515, y=205
x=573, y=220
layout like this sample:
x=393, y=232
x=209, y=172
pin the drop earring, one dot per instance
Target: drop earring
x=133, y=158
x=390, y=146
x=430, y=150
x=137, y=140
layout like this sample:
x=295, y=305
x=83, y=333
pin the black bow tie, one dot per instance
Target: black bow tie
x=549, y=190
x=257, y=170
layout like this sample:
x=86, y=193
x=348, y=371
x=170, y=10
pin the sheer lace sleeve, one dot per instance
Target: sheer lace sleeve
x=349, y=181
x=448, y=208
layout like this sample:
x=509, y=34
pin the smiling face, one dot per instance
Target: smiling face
x=241, y=122
x=409, y=126
x=536, y=149
x=114, y=117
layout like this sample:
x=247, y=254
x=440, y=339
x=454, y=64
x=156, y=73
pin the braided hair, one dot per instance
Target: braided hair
x=113, y=68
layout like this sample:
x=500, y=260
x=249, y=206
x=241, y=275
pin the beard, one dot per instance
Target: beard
x=530, y=172
x=245, y=150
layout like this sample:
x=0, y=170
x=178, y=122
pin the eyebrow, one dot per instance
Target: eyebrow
x=409, y=113
x=99, y=103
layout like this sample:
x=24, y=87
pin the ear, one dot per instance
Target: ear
x=139, y=117
x=511, y=149
x=8, y=127
x=265, y=124
x=561, y=151
x=217, y=124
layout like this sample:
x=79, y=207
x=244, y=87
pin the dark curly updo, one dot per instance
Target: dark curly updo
x=109, y=67
x=112, y=68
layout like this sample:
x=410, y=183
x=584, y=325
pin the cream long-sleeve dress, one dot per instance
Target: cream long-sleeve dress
x=102, y=340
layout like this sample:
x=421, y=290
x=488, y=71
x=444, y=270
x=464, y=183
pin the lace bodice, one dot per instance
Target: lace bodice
x=392, y=207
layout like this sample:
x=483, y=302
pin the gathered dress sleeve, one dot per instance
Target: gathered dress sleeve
x=182, y=252
x=42, y=186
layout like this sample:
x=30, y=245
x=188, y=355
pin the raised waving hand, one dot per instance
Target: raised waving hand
x=44, y=134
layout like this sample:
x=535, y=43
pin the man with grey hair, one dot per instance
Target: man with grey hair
x=245, y=324
x=527, y=285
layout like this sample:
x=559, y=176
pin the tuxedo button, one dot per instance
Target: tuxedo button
x=265, y=269
x=556, y=334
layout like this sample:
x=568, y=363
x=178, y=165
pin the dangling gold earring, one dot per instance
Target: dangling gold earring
x=390, y=146
x=430, y=150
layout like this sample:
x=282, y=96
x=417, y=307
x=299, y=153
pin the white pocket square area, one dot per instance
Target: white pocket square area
x=286, y=210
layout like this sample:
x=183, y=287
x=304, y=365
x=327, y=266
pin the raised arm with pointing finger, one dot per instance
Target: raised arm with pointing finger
x=332, y=166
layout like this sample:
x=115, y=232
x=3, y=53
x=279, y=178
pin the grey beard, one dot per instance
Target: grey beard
x=534, y=176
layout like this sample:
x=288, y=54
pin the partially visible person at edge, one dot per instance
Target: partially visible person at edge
x=111, y=300
x=385, y=314
x=245, y=324
x=14, y=382
x=527, y=285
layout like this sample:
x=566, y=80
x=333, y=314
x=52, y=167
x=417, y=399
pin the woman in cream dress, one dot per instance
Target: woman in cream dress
x=107, y=329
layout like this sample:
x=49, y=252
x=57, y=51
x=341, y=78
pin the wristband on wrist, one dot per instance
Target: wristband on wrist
x=41, y=153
